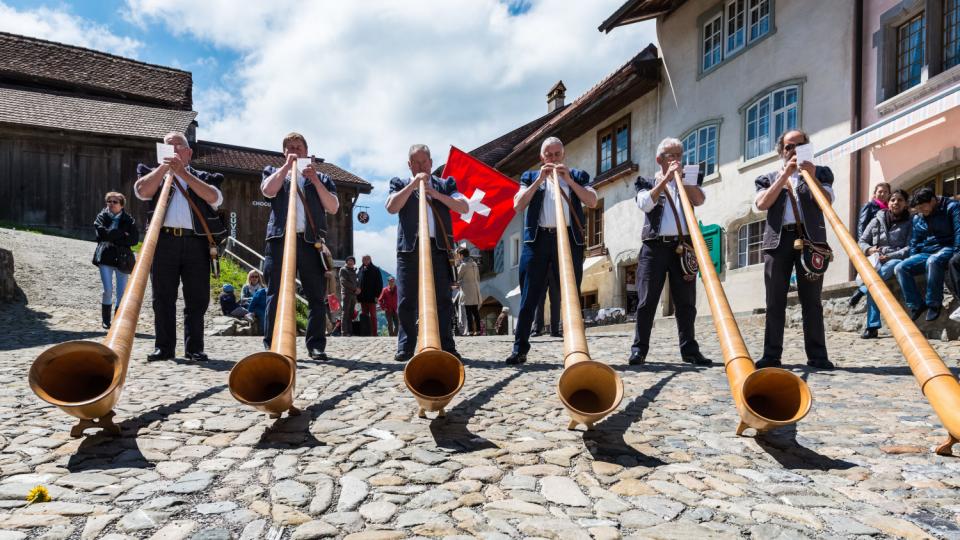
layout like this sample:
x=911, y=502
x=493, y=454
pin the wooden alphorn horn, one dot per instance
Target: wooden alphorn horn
x=936, y=382
x=84, y=378
x=765, y=398
x=433, y=375
x=266, y=380
x=588, y=389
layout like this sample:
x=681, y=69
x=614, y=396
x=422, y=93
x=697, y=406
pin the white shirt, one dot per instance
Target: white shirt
x=788, y=217
x=548, y=211
x=178, y=209
x=301, y=213
x=668, y=225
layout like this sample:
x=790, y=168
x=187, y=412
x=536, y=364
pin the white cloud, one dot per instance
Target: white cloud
x=380, y=245
x=64, y=27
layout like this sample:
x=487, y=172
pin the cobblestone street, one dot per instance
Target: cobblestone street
x=194, y=463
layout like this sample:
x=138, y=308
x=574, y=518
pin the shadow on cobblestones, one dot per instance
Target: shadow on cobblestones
x=102, y=452
x=294, y=431
x=452, y=433
x=32, y=330
x=212, y=364
x=605, y=441
x=782, y=445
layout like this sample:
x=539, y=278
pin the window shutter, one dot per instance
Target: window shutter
x=713, y=236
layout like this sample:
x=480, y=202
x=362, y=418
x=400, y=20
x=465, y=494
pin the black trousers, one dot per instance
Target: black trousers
x=179, y=259
x=553, y=289
x=778, y=265
x=658, y=261
x=473, y=318
x=408, y=271
x=314, y=282
x=537, y=260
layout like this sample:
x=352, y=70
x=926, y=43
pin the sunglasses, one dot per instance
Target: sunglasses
x=789, y=147
x=113, y=201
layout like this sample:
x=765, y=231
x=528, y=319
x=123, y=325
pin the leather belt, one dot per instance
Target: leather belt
x=789, y=227
x=548, y=230
x=672, y=239
x=176, y=231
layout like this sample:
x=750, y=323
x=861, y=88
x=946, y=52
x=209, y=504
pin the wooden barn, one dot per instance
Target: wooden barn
x=75, y=122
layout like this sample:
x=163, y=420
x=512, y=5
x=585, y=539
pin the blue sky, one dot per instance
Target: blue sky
x=362, y=80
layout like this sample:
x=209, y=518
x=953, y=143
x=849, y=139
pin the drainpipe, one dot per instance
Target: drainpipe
x=856, y=125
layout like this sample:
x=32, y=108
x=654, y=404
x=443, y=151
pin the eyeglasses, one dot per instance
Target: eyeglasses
x=113, y=201
x=670, y=156
x=790, y=146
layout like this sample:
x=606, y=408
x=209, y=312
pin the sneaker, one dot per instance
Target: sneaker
x=820, y=363
x=933, y=313
x=768, y=362
x=869, y=333
x=856, y=297
x=955, y=316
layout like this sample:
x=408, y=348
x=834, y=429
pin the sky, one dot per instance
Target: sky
x=361, y=80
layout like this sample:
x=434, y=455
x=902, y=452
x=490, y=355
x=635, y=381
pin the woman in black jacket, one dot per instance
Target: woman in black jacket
x=116, y=233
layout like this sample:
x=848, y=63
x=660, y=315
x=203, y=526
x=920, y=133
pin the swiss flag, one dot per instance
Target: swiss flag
x=490, y=196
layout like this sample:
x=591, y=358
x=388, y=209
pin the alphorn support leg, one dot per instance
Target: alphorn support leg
x=105, y=422
x=421, y=413
x=442, y=413
x=741, y=428
x=292, y=411
x=946, y=449
x=573, y=424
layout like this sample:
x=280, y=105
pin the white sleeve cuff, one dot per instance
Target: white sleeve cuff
x=456, y=195
x=136, y=192
x=829, y=191
x=219, y=200
x=756, y=200
x=645, y=201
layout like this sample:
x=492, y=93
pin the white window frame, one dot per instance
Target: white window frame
x=699, y=134
x=515, y=250
x=755, y=6
x=712, y=36
x=743, y=257
x=764, y=104
x=742, y=12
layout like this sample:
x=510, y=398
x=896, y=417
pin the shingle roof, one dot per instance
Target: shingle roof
x=252, y=160
x=47, y=110
x=638, y=10
x=55, y=65
x=492, y=152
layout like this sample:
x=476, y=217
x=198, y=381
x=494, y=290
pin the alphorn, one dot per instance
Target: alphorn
x=588, y=389
x=266, y=380
x=433, y=375
x=85, y=378
x=765, y=398
x=936, y=382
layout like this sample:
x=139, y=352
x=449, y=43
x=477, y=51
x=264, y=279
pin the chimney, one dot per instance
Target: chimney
x=555, y=96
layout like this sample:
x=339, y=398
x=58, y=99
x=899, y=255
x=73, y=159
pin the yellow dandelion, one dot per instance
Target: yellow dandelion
x=38, y=494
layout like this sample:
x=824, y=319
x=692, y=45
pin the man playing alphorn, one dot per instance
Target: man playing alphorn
x=442, y=196
x=183, y=250
x=320, y=195
x=780, y=259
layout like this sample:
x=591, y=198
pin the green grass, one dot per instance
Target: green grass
x=231, y=272
x=18, y=227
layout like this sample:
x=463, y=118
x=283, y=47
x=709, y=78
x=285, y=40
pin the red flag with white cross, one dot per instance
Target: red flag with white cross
x=489, y=194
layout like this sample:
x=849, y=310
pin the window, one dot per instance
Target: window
x=768, y=117
x=713, y=42
x=945, y=183
x=951, y=33
x=732, y=27
x=749, y=242
x=515, y=250
x=700, y=146
x=613, y=145
x=736, y=25
x=593, y=228
x=911, y=44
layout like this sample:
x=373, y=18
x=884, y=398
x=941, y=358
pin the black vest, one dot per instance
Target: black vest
x=531, y=215
x=409, y=215
x=211, y=216
x=812, y=215
x=276, y=225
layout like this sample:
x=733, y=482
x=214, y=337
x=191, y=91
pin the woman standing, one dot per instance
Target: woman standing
x=887, y=239
x=470, y=289
x=116, y=233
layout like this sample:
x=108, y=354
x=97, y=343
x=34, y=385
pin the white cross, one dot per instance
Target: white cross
x=476, y=206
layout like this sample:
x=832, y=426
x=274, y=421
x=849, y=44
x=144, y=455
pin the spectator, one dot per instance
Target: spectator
x=502, y=322
x=254, y=283
x=470, y=288
x=881, y=197
x=229, y=305
x=371, y=284
x=349, y=288
x=933, y=241
x=116, y=233
x=388, y=303
x=887, y=239
x=258, y=307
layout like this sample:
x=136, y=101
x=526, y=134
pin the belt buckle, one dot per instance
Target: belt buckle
x=177, y=231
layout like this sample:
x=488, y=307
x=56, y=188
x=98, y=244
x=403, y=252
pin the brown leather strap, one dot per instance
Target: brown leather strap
x=797, y=216
x=306, y=211
x=200, y=218
x=570, y=206
x=673, y=209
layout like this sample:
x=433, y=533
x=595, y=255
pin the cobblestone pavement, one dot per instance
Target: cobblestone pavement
x=194, y=463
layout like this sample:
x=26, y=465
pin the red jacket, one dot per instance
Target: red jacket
x=388, y=299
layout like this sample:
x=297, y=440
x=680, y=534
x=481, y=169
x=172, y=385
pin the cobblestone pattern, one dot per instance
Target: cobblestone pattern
x=194, y=463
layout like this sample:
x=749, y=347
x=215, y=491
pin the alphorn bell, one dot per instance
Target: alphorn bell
x=85, y=378
x=266, y=380
x=765, y=398
x=936, y=382
x=433, y=375
x=588, y=389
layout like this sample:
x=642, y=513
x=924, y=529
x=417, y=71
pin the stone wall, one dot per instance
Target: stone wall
x=9, y=291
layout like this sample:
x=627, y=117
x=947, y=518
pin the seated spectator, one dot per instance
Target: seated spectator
x=887, y=239
x=229, y=305
x=254, y=283
x=258, y=307
x=933, y=242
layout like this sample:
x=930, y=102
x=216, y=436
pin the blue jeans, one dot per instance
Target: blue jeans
x=873, y=313
x=107, y=274
x=935, y=266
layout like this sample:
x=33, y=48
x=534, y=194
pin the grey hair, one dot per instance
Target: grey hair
x=669, y=142
x=418, y=148
x=176, y=135
x=547, y=142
